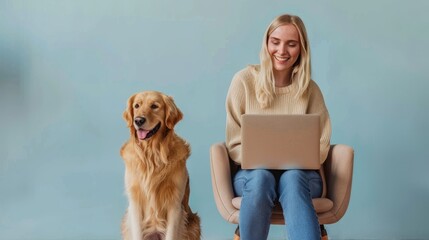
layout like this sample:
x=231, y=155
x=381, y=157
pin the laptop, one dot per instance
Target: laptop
x=280, y=142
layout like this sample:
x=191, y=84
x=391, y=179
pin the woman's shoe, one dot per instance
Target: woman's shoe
x=324, y=233
x=237, y=233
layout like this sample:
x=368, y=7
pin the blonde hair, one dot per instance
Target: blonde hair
x=265, y=84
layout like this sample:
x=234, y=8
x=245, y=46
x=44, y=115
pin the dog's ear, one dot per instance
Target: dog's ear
x=128, y=113
x=172, y=114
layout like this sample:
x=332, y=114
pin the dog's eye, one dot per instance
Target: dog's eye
x=154, y=106
x=136, y=105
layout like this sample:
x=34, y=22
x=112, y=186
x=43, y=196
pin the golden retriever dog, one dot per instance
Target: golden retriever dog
x=156, y=178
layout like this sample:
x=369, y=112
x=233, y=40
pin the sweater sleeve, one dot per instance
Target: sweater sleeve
x=317, y=106
x=235, y=107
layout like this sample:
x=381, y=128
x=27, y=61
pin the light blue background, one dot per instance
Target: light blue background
x=68, y=67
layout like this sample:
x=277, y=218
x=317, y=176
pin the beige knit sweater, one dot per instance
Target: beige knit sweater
x=241, y=99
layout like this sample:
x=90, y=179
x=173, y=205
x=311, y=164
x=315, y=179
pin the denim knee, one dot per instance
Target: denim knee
x=295, y=181
x=260, y=186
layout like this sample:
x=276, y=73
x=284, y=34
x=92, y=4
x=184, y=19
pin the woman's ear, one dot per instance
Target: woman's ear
x=128, y=113
x=172, y=114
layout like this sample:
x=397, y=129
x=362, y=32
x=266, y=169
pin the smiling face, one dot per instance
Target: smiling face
x=149, y=113
x=284, y=47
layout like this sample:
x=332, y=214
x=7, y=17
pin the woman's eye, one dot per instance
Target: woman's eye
x=136, y=105
x=293, y=44
x=154, y=106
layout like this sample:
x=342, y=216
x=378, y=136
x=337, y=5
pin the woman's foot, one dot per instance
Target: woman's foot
x=237, y=233
x=323, y=232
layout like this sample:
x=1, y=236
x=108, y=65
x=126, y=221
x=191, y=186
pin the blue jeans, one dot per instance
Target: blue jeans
x=294, y=189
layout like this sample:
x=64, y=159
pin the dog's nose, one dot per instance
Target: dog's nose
x=139, y=121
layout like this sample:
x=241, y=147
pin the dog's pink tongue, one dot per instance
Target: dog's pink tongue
x=141, y=134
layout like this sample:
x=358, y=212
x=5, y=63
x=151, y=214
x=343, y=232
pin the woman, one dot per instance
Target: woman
x=281, y=84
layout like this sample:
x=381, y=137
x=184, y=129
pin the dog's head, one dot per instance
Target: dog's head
x=150, y=114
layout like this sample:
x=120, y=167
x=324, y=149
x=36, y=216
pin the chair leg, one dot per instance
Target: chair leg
x=237, y=233
x=323, y=232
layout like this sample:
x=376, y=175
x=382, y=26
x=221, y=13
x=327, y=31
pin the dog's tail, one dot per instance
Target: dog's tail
x=193, y=226
x=193, y=222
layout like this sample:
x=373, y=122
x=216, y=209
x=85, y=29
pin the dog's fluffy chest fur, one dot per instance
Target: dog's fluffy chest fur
x=149, y=171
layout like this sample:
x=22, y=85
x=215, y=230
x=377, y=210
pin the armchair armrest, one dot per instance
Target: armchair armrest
x=339, y=172
x=221, y=181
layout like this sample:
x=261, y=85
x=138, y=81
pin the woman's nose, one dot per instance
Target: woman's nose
x=282, y=49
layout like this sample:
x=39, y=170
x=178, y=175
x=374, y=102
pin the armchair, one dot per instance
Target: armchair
x=330, y=208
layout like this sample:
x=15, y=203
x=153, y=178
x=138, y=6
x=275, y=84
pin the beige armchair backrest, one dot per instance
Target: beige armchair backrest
x=330, y=208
